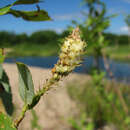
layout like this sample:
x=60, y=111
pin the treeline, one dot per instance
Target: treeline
x=49, y=37
x=39, y=37
x=115, y=39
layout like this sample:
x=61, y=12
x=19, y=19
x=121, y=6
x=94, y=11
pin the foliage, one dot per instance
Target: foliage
x=97, y=99
x=34, y=121
x=116, y=39
x=9, y=39
x=39, y=15
x=98, y=109
x=6, y=123
x=26, y=87
x=70, y=57
x=101, y=104
x=5, y=89
x=2, y=57
x=95, y=25
x=127, y=20
x=25, y=80
x=82, y=123
x=44, y=37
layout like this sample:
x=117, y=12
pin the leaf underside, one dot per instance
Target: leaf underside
x=38, y=15
x=26, y=87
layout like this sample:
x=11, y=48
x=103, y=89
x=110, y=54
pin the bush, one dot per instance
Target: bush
x=98, y=100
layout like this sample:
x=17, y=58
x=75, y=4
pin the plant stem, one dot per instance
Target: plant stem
x=46, y=87
x=66, y=63
x=39, y=94
x=17, y=122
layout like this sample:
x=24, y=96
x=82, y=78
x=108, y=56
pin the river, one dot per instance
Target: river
x=120, y=70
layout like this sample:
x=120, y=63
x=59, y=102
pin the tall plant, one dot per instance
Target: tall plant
x=94, y=27
x=69, y=58
x=93, y=31
x=127, y=20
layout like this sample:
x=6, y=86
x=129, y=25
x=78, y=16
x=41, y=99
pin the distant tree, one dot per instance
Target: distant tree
x=127, y=20
x=21, y=38
x=6, y=38
x=123, y=39
x=65, y=33
x=44, y=37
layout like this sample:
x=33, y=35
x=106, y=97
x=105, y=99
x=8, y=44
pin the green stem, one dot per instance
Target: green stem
x=46, y=87
x=17, y=122
x=38, y=95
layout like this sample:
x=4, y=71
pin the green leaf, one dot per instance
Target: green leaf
x=2, y=57
x=127, y=120
x=5, y=93
x=101, y=40
x=4, y=80
x=90, y=126
x=26, y=87
x=38, y=15
x=19, y=2
x=5, y=9
x=6, y=123
x=31, y=15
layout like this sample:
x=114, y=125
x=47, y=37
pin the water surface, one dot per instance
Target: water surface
x=120, y=70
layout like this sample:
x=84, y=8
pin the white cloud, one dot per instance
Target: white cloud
x=127, y=1
x=124, y=29
x=68, y=17
x=58, y=30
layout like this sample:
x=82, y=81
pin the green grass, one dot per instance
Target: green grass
x=120, y=53
x=98, y=100
x=33, y=50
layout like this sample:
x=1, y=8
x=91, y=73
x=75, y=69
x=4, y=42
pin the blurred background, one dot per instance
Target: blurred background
x=103, y=101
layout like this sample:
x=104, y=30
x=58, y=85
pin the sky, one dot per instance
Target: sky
x=63, y=12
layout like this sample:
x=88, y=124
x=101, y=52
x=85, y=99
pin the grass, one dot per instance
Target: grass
x=120, y=53
x=100, y=103
x=33, y=50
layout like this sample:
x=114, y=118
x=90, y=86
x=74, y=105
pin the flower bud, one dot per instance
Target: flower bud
x=71, y=53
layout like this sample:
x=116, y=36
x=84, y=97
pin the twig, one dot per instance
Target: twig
x=17, y=122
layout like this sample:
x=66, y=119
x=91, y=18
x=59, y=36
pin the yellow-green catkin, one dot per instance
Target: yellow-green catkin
x=71, y=55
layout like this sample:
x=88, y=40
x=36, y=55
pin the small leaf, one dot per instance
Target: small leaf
x=90, y=126
x=39, y=15
x=5, y=91
x=2, y=57
x=6, y=123
x=34, y=101
x=26, y=87
x=31, y=15
x=19, y=2
x=4, y=80
x=5, y=9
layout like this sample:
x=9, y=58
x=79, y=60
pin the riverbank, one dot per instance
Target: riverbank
x=119, y=53
x=27, y=49
x=50, y=116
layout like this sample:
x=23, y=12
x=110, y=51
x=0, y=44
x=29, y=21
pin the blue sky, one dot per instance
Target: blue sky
x=63, y=12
